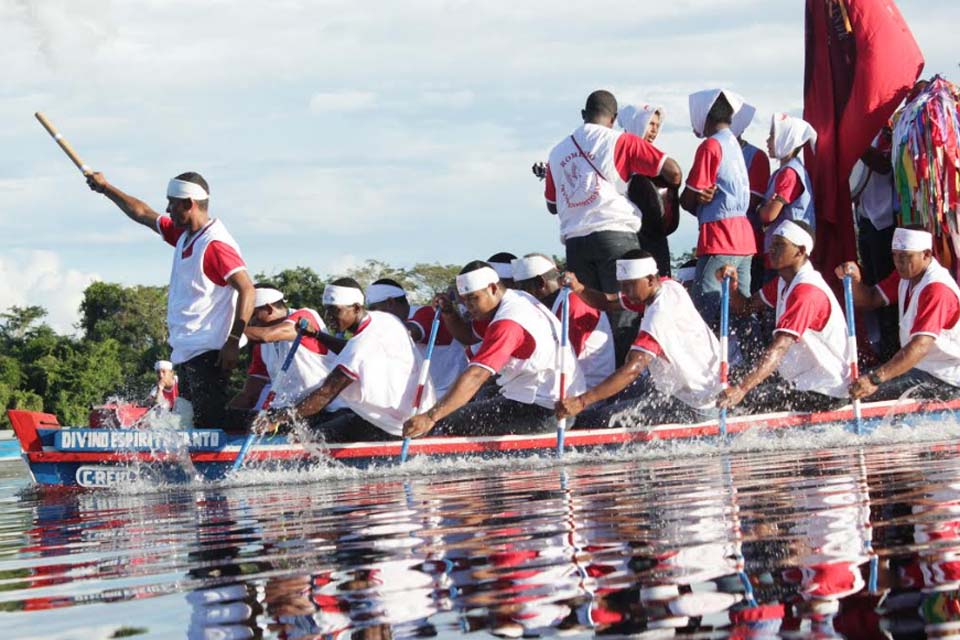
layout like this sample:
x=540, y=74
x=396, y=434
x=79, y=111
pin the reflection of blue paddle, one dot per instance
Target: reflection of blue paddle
x=424, y=374
x=564, y=341
x=724, y=345
x=302, y=326
x=852, y=346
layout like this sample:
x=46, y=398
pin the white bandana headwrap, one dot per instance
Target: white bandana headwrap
x=635, y=119
x=790, y=133
x=795, y=234
x=163, y=365
x=476, y=280
x=636, y=268
x=503, y=269
x=912, y=240
x=339, y=296
x=701, y=103
x=265, y=296
x=183, y=189
x=742, y=119
x=531, y=267
x=380, y=292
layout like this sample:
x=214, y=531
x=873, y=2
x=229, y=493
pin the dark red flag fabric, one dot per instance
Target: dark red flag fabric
x=861, y=61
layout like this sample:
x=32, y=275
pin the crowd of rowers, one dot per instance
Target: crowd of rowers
x=355, y=374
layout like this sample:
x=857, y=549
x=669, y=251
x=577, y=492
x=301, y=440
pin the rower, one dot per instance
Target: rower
x=210, y=298
x=518, y=341
x=810, y=339
x=448, y=359
x=928, y=300
x=674, y=342
x=165, y=393
x=590, y=334
x=272, y=331
x=375, y=373
x=501, y=263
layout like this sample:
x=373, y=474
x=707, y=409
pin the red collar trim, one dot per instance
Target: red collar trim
x=188, y=250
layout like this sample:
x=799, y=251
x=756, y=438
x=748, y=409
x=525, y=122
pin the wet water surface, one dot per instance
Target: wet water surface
x=848, y=540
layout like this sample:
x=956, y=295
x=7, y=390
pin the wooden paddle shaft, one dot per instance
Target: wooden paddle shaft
x=67, y=149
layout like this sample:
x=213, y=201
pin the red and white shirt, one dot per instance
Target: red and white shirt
x=587, y=178
x=727, y=236
x=166, y=397
x=937, y=307
x=787, y=186
x=591, y=337
x=807, y=307
x=200, y=302
x=448, y=359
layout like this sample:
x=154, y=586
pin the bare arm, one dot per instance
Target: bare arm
x=317, y=401
x=864, y=297
x=248, y=396
x=457, y=326
x=769, y=362
x=596, y=299
x=136, y=210
x=770, y=210
x=671, y=174
x=616, y=382
x=230, y=351
x=691, y=200
x=274, y=333
x=464, y=388
x=901, y=362
x=739, y=303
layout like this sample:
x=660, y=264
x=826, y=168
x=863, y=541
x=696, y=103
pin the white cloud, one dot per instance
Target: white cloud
x=342, y=101
x=39, y=278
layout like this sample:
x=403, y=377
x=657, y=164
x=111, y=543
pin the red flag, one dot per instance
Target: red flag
x=861, y=61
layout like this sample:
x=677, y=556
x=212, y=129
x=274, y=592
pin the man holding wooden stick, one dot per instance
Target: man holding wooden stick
x=210, y=298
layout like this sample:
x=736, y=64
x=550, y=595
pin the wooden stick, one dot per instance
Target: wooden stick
x=67, y=149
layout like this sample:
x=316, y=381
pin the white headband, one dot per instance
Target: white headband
x=911, y=240
x=265, y=296
x=183, y=189
x=636, y=268
x=163, y=365
x=338, y=296
x=476, y=280
x=531, y=267
x=380, y=292
x=795, y=233
x=503, y=269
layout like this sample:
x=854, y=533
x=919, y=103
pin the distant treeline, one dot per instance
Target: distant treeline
x=122, y=331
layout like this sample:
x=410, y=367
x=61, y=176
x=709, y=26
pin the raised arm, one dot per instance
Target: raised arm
x=457, y=326
x=864, y=297
x=274, y=333
x=136, y=210
x=596, y=299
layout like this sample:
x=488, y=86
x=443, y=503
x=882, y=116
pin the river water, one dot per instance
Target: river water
x=807, y=535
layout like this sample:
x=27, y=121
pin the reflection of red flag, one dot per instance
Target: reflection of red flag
x=861, y=61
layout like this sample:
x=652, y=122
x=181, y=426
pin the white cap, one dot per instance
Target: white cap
x=340, y=296
x=163, y=365
x=380, y=292
x=476, y=280
x=531, y=267
x=912, y=240
x=636, y=268
x=265, y=295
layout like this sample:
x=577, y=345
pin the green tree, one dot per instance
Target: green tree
x=16, y=321
x=301, y=286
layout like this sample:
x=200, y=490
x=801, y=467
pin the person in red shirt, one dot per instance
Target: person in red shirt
x=928, y=301
x=165, y=393
x=210, y=298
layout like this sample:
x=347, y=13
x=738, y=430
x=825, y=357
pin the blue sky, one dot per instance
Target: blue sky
x=332, y=132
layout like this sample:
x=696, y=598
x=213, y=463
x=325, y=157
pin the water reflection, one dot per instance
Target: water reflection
x=842, y=543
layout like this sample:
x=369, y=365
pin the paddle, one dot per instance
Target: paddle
x=67, y=149
x=852, y=346
x=424, y=373
x=564, y=340
x=724, y=345
x=302, y=327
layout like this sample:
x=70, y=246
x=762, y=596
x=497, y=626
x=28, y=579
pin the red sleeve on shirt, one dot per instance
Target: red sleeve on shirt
x=807, y=308
x=634, y=155
x=889, y=288
x=759, y=173
x=220, y=261
x=169, y=231
x=503, y=339
x=423, y=318
x=787, y=185
x=583, y=320
x=937, y=309
x=308, y=342
x=706, y=165
x=646, y=342
x=769, y=292
x=550, y=189
x=257, y=366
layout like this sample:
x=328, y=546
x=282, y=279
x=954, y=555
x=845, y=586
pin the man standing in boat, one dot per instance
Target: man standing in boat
x=810, y=339
x=210, y=298
x=586, y=187
x=590, y=333
x=673, y=342
x=518, y=341
x=928, y=300
x=375, y=373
